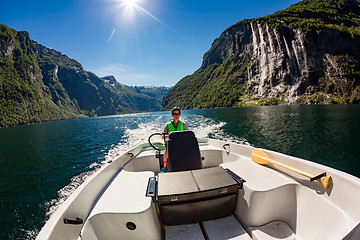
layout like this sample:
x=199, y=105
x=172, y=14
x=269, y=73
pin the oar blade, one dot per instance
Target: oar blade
x=325, y=181
x=260, y=157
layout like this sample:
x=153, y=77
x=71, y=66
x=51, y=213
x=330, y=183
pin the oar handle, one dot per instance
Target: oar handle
x=291, y=169
x=267, y=159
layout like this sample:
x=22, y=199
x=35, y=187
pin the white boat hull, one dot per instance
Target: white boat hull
x=271, y=198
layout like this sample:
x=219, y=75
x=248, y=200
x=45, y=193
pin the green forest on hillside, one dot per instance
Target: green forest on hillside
x=218, y=85
x=23, y=96
x=312, y=15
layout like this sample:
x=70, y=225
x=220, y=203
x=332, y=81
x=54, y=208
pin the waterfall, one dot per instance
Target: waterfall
x=255, y=45
x=293, y=66
x=277, y=55
x=253, y=74
x=277, y=39
x=272, y=56
x=295, y=51
x=299, y=38
x=287, y=47
x=272, y=48
x=263, y=60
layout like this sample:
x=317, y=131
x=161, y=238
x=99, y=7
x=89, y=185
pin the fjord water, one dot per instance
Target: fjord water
x=41, y=164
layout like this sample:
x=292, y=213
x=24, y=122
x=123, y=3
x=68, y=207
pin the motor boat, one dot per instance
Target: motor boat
x=212, y=189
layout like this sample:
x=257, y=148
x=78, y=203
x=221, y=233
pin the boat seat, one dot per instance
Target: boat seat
x=183, y=151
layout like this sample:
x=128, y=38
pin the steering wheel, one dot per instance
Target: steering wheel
x=154, y=134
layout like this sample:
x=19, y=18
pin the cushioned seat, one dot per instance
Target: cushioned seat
x=183, y=151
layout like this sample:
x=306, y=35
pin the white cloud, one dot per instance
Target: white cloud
x=126, y=75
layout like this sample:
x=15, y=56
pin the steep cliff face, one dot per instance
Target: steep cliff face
x=276, y=59
x=26, y=94
x=285, y=63
x=41, y=84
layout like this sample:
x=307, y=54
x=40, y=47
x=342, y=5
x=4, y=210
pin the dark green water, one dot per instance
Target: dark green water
x=41, y=164
x=329, y=135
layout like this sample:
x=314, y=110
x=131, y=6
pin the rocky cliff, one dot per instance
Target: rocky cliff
x=39, y=84
x=308, y=53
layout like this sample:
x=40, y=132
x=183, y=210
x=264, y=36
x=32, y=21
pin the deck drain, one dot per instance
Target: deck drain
x=131, y=225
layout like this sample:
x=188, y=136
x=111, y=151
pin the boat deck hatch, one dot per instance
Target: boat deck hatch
x=193, y=196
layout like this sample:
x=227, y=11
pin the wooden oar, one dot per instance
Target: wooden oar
x=261, y=157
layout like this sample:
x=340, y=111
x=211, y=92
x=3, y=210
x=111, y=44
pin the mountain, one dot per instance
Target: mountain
x=306, y=54
x=140, y=98
x=39, y=84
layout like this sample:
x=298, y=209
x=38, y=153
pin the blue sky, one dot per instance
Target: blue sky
x=140, y=42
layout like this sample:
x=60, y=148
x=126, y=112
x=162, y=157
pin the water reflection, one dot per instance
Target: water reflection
x=325, y=134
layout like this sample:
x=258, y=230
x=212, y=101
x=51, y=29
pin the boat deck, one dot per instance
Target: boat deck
x=229, y=228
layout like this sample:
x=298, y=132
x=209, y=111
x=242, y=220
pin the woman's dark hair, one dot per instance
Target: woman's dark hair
x=175, y=109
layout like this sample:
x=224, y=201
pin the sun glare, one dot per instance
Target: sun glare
x=128, y=8
x=128, y=13
x=130, y=3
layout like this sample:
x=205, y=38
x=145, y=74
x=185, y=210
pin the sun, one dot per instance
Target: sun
x=127, y=11
x=130, y=3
